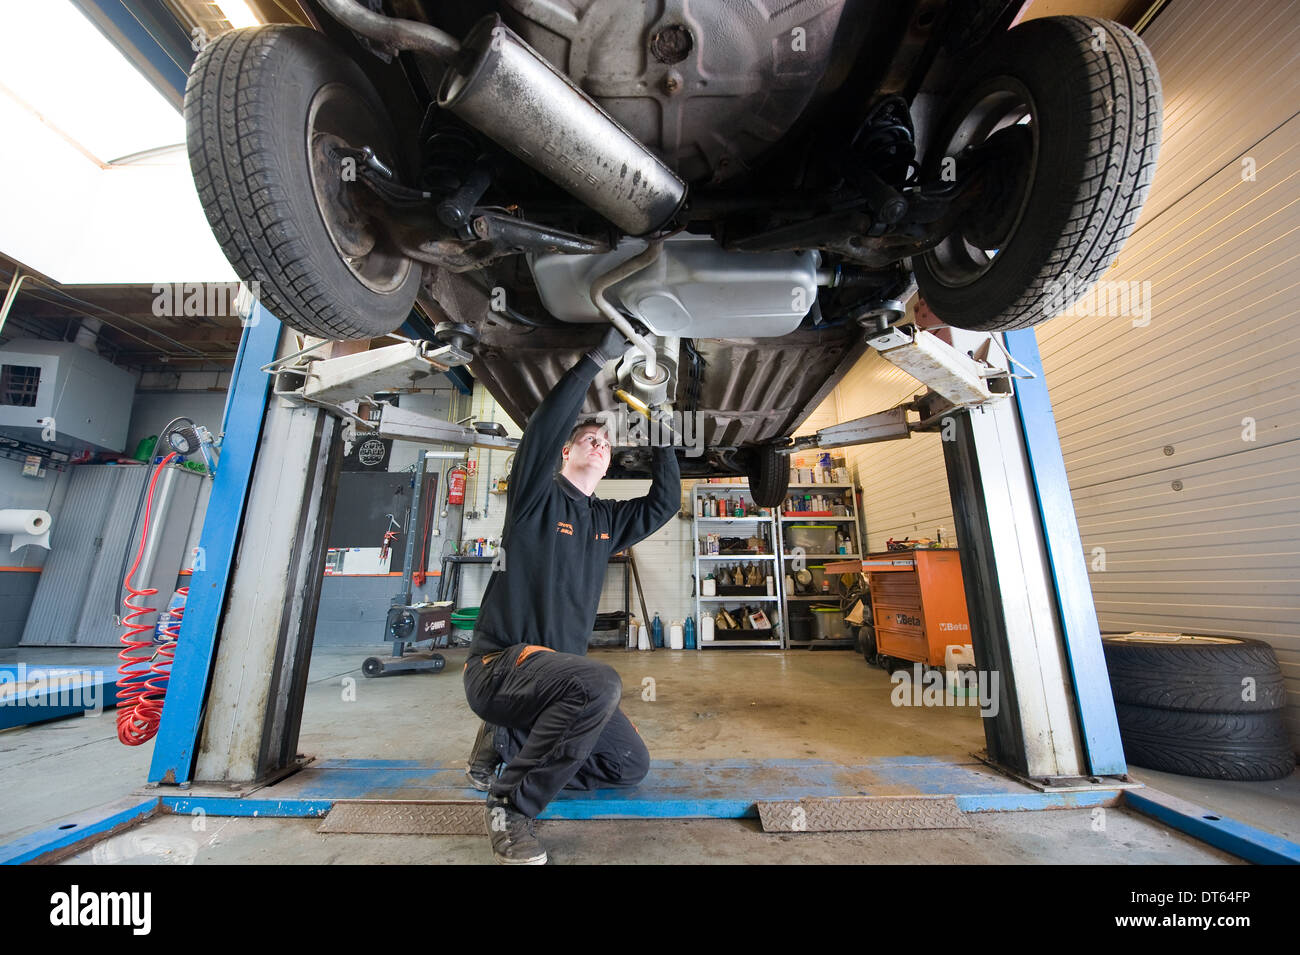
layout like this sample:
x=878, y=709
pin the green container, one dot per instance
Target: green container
x=464, y=618
x=144, y=450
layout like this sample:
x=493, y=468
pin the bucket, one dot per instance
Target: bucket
x=829, y=624
x=465, y=618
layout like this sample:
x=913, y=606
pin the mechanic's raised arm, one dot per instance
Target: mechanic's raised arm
x=637, y=519
x=544, y=435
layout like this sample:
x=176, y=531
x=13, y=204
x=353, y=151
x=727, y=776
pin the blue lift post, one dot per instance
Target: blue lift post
x=174, y=747
x=1082, y=634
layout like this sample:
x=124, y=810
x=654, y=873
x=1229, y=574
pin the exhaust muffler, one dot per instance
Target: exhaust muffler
x=499, y=85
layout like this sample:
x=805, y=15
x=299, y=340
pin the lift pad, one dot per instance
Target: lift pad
x=861, y=813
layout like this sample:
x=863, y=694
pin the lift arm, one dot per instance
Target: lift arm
x=956, y=380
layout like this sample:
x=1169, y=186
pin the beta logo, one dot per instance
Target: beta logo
x=907, y=620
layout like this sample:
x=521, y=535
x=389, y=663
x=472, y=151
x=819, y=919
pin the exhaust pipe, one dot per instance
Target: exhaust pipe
x=500, y=86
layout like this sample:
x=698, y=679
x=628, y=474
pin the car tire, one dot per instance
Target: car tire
x=1238, y=746
x=867, y=643
x=260, y=105
x=1201, y=674
x=1086, y=159
x=769, y=476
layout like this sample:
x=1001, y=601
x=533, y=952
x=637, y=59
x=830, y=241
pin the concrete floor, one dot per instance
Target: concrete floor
x=709, y=705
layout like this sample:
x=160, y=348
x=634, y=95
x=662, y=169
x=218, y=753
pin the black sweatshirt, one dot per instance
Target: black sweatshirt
x=557, y=541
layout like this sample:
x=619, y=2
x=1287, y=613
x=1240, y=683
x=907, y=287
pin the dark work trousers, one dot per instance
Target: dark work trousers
x=560, y=725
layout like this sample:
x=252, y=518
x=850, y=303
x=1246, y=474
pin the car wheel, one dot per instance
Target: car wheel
x=867, y=643
x=265, y=110
x=1067, y=112
x=769, y=476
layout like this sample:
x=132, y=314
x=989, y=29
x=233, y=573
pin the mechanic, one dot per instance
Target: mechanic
x=551, y=716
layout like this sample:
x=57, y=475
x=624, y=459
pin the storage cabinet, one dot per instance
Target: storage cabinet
x=759, y=535
x=918, y=603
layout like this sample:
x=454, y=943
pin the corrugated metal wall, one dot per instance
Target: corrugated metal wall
x=1181, y=434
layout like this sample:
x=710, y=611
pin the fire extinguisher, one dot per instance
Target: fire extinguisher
x=456, y=485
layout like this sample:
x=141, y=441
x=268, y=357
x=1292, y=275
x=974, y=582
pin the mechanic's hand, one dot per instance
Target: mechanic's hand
x=612, y=346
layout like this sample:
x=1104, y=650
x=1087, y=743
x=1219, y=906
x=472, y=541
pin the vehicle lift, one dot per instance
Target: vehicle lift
x=282, y=459
x=227, y=744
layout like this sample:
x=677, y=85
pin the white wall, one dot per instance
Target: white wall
x=904, y=485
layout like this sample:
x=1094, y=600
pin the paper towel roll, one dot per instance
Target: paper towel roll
x=26, y=526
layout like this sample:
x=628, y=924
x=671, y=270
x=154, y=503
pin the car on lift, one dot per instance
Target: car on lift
x=741, y=187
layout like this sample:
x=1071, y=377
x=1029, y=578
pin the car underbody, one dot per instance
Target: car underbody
x=742, y=188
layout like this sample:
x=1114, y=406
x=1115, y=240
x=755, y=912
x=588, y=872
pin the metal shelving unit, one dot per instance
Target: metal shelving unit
x=764, y=525
x=783, y=521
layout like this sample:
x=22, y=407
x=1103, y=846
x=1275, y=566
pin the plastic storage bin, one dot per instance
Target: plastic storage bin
x=813, y=538
x=828, y=623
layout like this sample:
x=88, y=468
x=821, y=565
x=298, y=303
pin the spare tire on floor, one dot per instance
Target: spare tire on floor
x=1194, y=672
x=1241, y=746
x=1199, y=705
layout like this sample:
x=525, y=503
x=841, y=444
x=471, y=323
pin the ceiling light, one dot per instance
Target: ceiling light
x=238, y=13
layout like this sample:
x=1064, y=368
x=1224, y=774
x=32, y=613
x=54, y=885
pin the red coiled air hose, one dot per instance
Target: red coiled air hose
x=140, y=689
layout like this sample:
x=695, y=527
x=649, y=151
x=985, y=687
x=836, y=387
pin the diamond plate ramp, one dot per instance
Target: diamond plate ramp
x=859, y=813
x=399, y=818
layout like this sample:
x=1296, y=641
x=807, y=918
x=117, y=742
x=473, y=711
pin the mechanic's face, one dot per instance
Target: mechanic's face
x=590, y=449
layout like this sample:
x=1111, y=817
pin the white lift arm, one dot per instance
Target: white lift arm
x=956, y=380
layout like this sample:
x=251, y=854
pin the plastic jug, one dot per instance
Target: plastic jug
x=688, y=633
x=676, y=637
x=959, y=667
x=706, y=628
x=657, y=632
x=643, y=638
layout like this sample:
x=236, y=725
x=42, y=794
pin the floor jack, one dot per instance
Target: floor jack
x=409, y=625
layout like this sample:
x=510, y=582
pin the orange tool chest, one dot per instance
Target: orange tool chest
x=918, y=602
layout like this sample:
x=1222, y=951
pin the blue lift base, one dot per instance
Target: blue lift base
x=724, y=789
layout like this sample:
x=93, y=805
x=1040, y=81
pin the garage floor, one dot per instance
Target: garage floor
x=717, y=705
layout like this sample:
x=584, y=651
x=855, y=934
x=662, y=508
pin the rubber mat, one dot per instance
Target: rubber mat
x=401, y=818
x=854, y=813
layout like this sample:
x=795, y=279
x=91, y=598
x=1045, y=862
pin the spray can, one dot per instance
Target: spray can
x=168, y=627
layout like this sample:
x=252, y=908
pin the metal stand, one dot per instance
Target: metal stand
x=404, y=620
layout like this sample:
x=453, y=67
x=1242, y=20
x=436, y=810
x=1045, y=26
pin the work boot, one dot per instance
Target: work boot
x=483, y=759
x=513, y=840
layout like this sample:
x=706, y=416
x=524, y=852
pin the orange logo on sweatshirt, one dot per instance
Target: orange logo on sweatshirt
x=564, y=528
